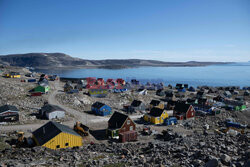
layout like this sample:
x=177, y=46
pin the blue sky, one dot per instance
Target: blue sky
x=168, y=30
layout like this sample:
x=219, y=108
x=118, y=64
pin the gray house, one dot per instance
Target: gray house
x=50, y=111
x=9, y=113
x=138, y=105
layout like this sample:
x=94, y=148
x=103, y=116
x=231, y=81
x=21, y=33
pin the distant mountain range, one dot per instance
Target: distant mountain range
x=61, y=60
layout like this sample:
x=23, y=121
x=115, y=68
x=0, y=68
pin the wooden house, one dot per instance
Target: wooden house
x=191, y=89
x=227, y=94
x=43, y=82
x=138, y=105
x=120, y=81
x=91, y=80
x=181, y=86
x=135, y=82
x=54, y=135
x=100, y=81
x=200, y=94
x=9, y=113
x=50, y=111
x=156, y=116
x=44, y=76
x=53, y=77
x=169, y=95
x=184, y=111
x=13, y=75
x=170, y=105
x=156, y=103
x=101, y=109
x=43, y=89
x=98, y=92
x=246, y=93
x=119, y=123
x=235, y=105
x=160, y=92
x=68, y=86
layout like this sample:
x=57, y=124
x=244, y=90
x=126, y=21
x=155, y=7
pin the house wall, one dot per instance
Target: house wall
x=61, y=140
x=161, y=106
x=190, y=113
x=127, y=126
x=55, y=114
x=9, y=116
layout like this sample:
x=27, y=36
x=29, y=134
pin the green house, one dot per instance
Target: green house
x=240, y=108
x=43, y=89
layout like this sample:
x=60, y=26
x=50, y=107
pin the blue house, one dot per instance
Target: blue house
x=170, y=121
x=101, y=109
x=182, y=90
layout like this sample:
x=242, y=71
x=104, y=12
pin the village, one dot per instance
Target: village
x=110, y=117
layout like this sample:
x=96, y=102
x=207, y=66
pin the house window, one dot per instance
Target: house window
x=131, y=128
x=158, y=119
x=58, y=146
x=66, y=144
x=192, y=114
x=128, y=122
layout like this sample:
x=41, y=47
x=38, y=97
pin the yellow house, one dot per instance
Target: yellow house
x=156, y=116
x=13, y=75
x=156, y=103
x=55, y=135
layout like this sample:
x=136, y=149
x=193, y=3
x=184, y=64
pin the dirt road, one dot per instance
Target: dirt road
x=78, y=115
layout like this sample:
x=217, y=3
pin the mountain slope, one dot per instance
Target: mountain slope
x=52, y=60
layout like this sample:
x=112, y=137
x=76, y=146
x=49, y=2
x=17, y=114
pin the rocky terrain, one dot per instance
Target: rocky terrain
x=61, y=60
x=199, y=149
x=190, y=143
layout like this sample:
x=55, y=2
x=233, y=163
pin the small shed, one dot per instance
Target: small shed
x=54, y=135
x=50, y=111
x=170, y=121
x=9, y=113
x=101, y=109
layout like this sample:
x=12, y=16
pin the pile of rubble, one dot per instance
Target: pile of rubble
x=195, y=150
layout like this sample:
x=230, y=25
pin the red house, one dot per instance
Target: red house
x=100, y=81
x=184, y=111
x=91, y=80
x=120, y=81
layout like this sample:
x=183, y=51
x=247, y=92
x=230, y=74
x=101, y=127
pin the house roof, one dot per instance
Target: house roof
x=156, y=112
x=117, y=120
x=155, y=102
x=98, y=105
x=50, y=130
x=50, y=108
x=14, y=73
x=7, y=107
x=181, y=107
x=136, y=103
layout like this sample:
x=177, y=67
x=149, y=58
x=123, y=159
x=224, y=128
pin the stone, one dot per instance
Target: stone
x=225, y=159
x=212, y=163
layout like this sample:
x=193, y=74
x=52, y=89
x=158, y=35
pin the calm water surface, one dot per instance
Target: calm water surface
x=237, y=74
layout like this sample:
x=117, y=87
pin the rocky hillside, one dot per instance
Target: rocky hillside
x=51, y=60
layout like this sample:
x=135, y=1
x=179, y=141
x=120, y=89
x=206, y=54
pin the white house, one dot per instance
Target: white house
x=50, y=111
